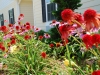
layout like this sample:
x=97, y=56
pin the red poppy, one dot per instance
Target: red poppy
x=87, y=39
x=67, y=14
x=97, y=72
x=96, y=39
x=90, y=17
x=40, y=37
x=26, y=37
x=13, y=41
x=43, y=54
x=51, y=45
x=65, y=30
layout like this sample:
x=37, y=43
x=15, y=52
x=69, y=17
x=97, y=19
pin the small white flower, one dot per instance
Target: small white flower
x=13, y=48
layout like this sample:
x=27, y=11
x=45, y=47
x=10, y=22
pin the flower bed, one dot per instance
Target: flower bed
x=23, y=51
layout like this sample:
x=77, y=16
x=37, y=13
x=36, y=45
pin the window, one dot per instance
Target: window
x=2, y=19
x=47, y=9
x=43, y=11
x=50, y=7
x=11, y=16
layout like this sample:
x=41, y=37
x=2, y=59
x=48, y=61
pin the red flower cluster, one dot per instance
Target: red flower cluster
x=97, y=72
x=91, y=40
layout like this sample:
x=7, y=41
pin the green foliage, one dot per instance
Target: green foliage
x=41, y=32
x=63, y=4
x=55, y=36
x=26, y=59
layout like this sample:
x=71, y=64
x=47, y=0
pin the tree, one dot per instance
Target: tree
x=63, y=4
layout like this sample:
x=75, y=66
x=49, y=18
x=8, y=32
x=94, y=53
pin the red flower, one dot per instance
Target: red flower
x=1, y=44
x=53, y=21
x=40, y=37
x=51, y=45
x=26, y=37
x=65, y=30
x=19, y=23
x=87, y=39
x=3, y=48
x=28, y=27
x=13, y=37
x=64, y=42
x=17, y=27
x=97, y=72
x=58, y=44
x=13, y=41
x=67, y=14
x=96, y=39
x=4, y=28
x=78, y=18
x=90, y=16
x=43, y=54
x=10, y=25
x=22, y=15
x=27, y=23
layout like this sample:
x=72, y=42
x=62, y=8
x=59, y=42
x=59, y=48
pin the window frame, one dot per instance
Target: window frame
x=11, y=16
x=2, y=20
x=47, y=10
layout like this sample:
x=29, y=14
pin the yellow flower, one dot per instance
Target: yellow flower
x=67, y=62
x=13, y=48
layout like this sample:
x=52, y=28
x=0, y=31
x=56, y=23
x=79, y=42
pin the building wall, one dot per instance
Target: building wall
x=37, y=11
x=26, y=8
x=94, y=4
x=6, y=5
